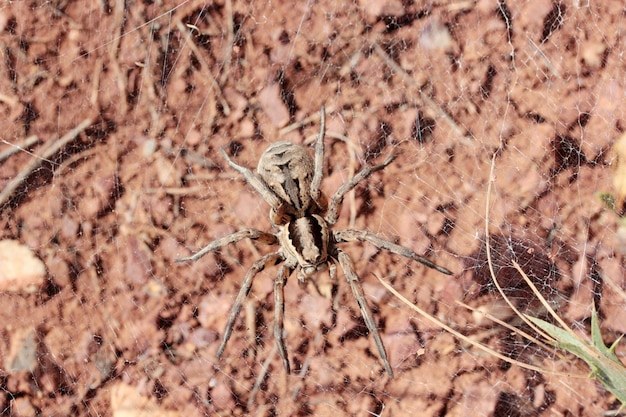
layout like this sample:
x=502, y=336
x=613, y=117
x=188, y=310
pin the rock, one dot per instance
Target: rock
x=20, y=269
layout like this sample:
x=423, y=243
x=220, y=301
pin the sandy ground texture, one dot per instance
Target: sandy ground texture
x=116, y=110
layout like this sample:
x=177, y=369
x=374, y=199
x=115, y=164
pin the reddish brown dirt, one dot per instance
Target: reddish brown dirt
x=120, y=328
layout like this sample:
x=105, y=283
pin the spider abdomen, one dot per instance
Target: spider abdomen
x=305, y=241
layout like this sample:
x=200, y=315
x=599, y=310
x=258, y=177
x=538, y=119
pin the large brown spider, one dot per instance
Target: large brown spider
x=289, y=181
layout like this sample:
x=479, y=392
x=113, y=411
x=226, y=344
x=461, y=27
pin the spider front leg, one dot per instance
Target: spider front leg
x=346, y=264
x=217, y=244
x=280, y=211
x=269, y=259
x=319, y=158
x=363, y=236
x=335, y=203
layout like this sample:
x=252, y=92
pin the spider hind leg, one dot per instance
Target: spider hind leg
x=357, y=290
x=267, y=260
x=279, y=314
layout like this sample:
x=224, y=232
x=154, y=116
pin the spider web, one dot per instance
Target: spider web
x=117, y=111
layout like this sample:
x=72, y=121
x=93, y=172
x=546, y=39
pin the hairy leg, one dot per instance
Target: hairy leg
x=364, y=236
x=335, y=203
x=346, y=264
x=217, y=244
x=279, y=313
x=267, y=260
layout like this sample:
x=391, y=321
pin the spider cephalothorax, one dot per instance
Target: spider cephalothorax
x=287, y=169
x=289, y=181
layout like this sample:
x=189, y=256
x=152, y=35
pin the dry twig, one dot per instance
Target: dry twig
x=426, y=101
x=15, y=148
x=46, y=153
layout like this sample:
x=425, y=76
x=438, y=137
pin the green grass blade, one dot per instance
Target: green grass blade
x=605, y=366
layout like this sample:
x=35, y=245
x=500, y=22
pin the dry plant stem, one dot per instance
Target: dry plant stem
x=618, y=290
x=496, y=320
x=118, y=19
x=214, y=85
x=46, y=153
x=18, y=147
x=522, y=273
x=251, y=246
x=306, y=365
x=259, y=380
x=544, y=302
x=490, y=259
x=352, y=148
x=95, y=89
x=177, y=191
x=147, y=90
x=460, y=335
x=513, y=329
x=427, y=101
x=298, y=125
x=210, y=177
x=230, y=41
x=136, y=28
x=81, y=156
x=543, y=56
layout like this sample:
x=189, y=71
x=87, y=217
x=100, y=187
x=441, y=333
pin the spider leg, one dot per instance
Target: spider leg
x=332, y=271
x=346, y=264
x=258, y=266
x=279, y=313
x=217, y=244
x=363, y=236
x=279, y=209
x=335, y=203
x=319, y=158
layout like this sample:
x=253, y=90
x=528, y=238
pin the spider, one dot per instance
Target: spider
x=289, y=180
